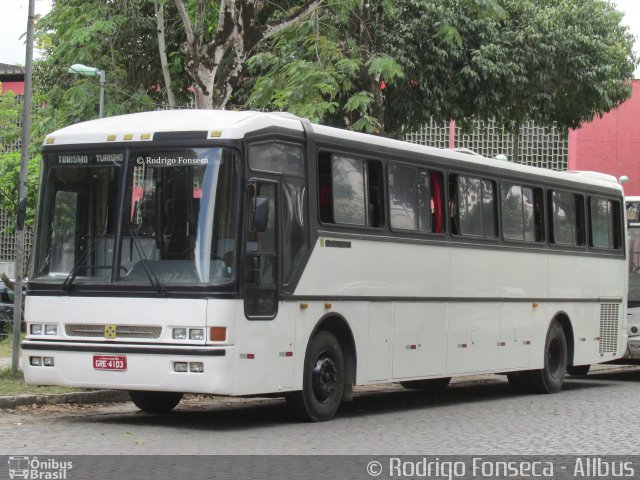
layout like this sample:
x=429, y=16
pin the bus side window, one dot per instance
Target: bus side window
x=567, y=218
x=521, y=213
x=604, y=223
x=472, y=206
x=350, y=190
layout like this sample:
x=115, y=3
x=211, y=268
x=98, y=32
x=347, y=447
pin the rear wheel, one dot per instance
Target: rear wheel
x=578, y=370
x=155, y=402
x=322, y=382
x=550, y=378
x=432, y=384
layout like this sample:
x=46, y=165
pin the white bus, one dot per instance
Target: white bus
x=633, y=300
x=244, y=253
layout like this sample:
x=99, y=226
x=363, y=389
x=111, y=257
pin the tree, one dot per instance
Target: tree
x=328, y=67
x=118, y=36
x=560, y=61
x=10, y=114
x=214, y=56
x=550, y=61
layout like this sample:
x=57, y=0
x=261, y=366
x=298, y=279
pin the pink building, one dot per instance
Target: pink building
x=12, y=79
x=611, y=144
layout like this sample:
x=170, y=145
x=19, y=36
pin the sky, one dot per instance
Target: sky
x=13, y=25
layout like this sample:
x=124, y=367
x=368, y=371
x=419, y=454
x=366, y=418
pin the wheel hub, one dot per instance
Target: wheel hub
x=554, y=357
x=325, y=378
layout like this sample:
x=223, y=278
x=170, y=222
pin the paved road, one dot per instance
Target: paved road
x=598, y=415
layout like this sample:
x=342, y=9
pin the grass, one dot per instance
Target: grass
x=12, y=383
x=6, y=345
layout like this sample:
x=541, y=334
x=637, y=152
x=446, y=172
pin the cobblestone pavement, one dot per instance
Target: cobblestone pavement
x=597, y=415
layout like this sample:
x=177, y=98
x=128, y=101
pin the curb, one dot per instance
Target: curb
x=96, y=396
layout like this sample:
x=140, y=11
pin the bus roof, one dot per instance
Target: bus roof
x=227, y=124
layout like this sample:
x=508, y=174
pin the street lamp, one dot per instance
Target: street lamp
x=91, y=72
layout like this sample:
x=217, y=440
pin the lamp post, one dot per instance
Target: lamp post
x=91, y=72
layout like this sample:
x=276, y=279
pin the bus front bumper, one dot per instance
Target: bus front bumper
x=125, y=366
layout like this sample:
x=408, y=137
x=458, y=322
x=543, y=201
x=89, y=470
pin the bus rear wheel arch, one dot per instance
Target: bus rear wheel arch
x=550, y=377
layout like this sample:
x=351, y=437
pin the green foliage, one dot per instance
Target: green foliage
x=117, y=36
x=379, y=66
x=9, y=119
x=10, y=114
x=325, y=68
x=550, y=61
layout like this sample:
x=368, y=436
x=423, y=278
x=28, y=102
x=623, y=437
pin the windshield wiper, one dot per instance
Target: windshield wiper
x=153, y=279
x=66, y=285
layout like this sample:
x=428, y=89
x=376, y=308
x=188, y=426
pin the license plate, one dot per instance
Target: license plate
x=110, y=362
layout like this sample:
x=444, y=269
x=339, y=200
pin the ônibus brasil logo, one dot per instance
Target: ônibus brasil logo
x=37, y=469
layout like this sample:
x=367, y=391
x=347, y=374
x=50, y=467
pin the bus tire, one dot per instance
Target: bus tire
x=322, y=380
x=550, y=378
x=155, y=402
x=578, y=370
x=431, y=384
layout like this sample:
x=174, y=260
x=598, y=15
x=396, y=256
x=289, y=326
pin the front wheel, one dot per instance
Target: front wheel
x=550, y=378
x=155, y=402
x=322, y=381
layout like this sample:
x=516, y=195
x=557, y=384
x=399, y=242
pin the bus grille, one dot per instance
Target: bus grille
x=122, y=331
x=609, y=313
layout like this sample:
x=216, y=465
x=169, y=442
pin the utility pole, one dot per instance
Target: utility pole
x=22, y=195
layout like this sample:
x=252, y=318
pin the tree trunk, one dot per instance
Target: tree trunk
x=516, y=143
x=236, y=36
x=162, y=47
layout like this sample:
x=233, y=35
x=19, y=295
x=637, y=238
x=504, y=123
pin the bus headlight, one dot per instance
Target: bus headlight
x=196, y=367
x=179, y=333
x=180, y=367
x=35, y=329
x=35, y=361
x=196, y=334
x=50, y=329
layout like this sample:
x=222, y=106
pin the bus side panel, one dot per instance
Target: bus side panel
x=585, y=333
x=420, y=340
x=266, y=352
x=473, y=337
x=366, y=268
x=498, y=273
x=514, y=344
x=585, y=277
x=380, y=346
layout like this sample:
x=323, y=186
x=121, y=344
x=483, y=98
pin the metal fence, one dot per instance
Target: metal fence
x=539, y=147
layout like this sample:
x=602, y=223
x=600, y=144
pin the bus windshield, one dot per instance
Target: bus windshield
x=177, y=224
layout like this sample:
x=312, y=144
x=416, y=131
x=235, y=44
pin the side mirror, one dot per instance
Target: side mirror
x=259, y=214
